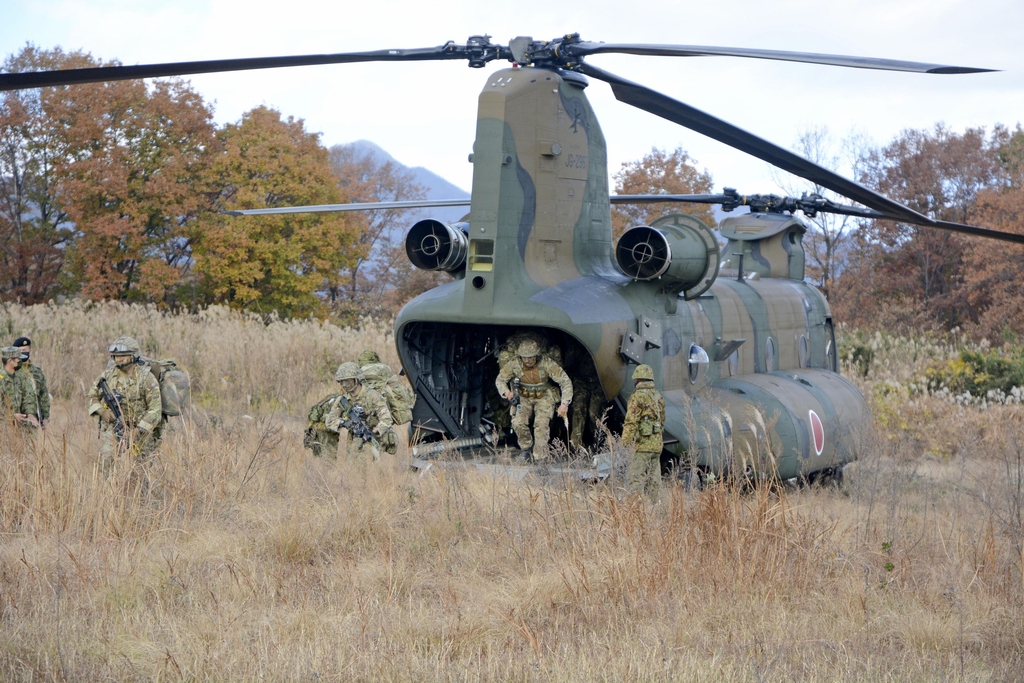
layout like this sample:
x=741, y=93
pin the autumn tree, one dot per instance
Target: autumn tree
x=288, y=263
x=992, y=270
x=35, y=148
x=917, y=271
x=136, y=185
x=381, y=266
x=660, y=172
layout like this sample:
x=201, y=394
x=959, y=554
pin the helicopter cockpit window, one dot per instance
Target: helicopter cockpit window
x=769, y=355
x=802, y=351
x=698, y=363
x=481, y=255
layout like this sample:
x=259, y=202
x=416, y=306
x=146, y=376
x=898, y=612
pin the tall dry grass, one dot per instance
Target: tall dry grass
x=236, y=556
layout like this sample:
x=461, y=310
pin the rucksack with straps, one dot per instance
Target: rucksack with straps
x=175, y=389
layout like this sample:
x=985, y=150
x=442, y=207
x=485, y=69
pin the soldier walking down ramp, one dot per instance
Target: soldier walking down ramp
x=130, y=415
x=360, y=409
x=36, y=380
x=645, y=421
x=537, y=397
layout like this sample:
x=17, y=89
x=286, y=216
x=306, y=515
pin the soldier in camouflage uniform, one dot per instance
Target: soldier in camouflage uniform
x=588, y=401
x=377, y=415
x=645, y=421
x=138, y=393
x=537, y=397
x=17, y=402
x=35, y=379
x=382, y=379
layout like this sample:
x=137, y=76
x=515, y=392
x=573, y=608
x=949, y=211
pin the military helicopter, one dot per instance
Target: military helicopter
x=743, y=349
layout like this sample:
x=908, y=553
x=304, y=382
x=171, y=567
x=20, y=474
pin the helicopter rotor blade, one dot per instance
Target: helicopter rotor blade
x=482, y=51
x=810, y=205
x=369, y=206
x=713, y=127
x=585, y=48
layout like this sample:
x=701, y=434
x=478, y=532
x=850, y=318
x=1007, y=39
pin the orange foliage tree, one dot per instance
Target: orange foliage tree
x=908, y=275
x=135, y=185
x=35, y=149
x=660, y=172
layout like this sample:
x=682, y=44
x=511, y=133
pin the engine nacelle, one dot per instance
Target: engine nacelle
x=677, y=249
x=433, y=245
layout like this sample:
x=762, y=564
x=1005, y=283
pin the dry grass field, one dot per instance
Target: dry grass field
x=237, y=556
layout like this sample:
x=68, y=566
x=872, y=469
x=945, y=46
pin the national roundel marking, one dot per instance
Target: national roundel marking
x=817, y=432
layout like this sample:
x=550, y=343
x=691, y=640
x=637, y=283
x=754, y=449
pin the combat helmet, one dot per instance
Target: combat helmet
x=125, y=346
x=529, y=349
x=643, y=372
x=10, y=352
x=348, y=370
x=367, y=357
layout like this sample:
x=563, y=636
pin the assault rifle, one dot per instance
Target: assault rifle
x=353, y=419
x=514, y=401
x=113, y=403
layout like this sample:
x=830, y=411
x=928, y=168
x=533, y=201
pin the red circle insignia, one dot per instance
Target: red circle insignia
x=817, y=432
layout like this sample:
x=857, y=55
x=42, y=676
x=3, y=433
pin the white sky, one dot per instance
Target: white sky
x=423, y=114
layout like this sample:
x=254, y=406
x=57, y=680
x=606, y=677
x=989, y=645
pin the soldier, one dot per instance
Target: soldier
x=16, y=398
x=36, y=380
x=645, y=421
x=375, y=408
x=136, y=392
x=398, y=394
x=588, y=397
x=537, y=397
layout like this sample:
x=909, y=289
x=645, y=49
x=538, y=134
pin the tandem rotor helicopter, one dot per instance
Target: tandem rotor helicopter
x=743, y=349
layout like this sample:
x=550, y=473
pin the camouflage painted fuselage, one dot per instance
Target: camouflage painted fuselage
x=540, y=256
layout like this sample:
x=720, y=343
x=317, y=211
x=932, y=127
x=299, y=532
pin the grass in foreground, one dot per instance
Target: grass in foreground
x=239, y=557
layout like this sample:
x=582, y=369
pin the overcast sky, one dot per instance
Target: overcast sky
x=423, y=114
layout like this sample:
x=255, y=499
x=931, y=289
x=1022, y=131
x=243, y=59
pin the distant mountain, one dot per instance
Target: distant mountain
x=436, y=187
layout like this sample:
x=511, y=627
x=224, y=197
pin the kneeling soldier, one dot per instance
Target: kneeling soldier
x=537, y=397
x=375, y=413
x=645, y=421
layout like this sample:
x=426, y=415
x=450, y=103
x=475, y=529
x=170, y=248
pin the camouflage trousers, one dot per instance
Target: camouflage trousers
x=645, y=472
x=540, y=409
x=134, y=446
x=587, y=411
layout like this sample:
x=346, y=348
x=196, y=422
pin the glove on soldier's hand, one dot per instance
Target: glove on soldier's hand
x=107, y=415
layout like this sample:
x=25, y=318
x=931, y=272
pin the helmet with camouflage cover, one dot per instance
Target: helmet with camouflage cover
x=125, y=346
x=348, y=370
x=10, y=352
x=643, y=372
x=529, y=349
x=367, y=357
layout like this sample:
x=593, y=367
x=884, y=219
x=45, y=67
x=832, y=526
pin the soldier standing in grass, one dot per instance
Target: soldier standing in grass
x=35, y=379
x=16, y=398
x=645, y=421
x=537, y=397
x=137, y=394
x=375, y=413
